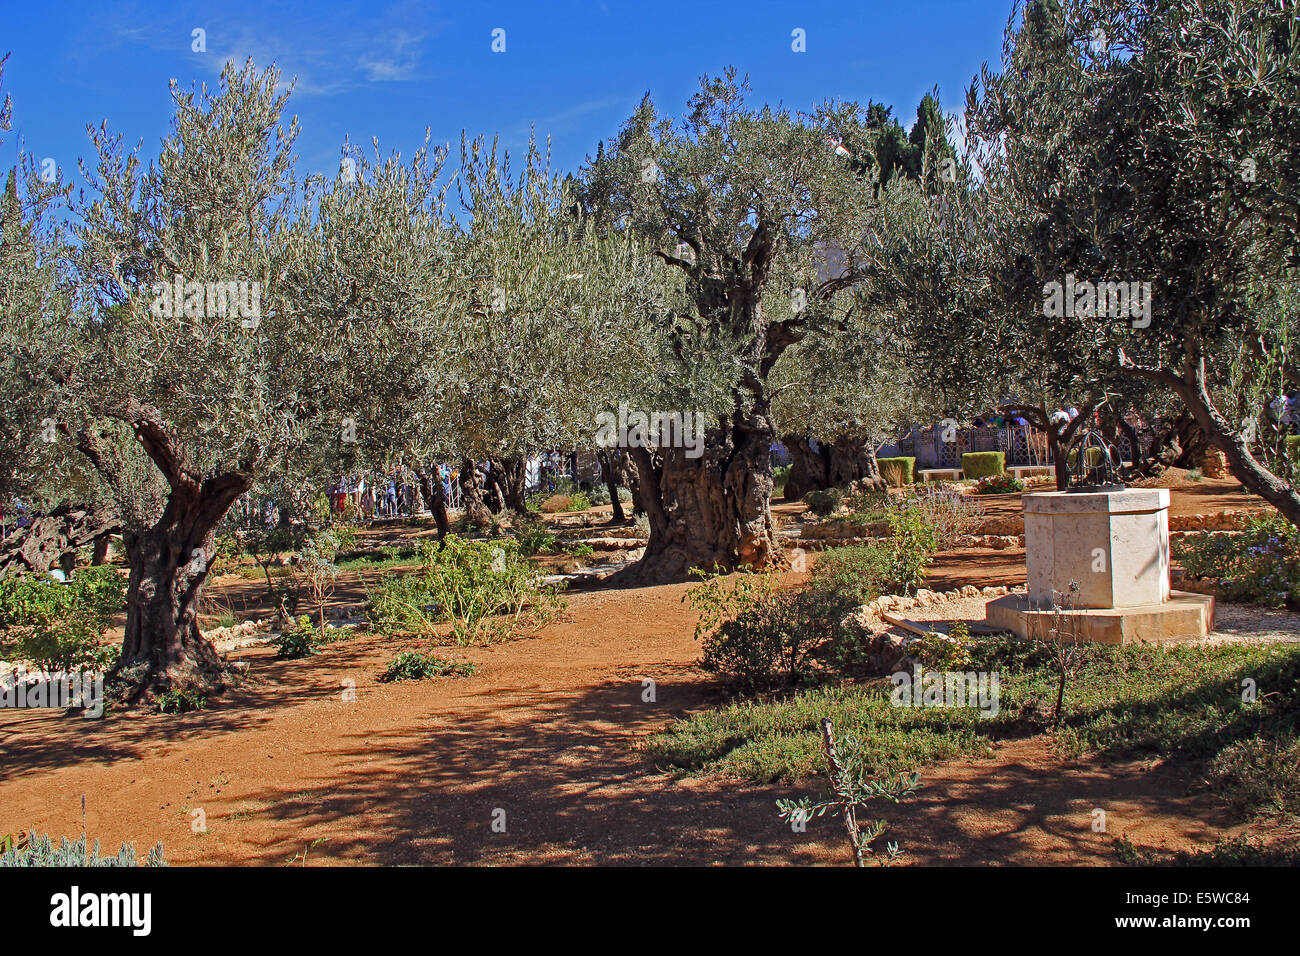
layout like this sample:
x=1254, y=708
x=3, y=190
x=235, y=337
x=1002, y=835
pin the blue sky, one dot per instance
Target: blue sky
x=573, y=68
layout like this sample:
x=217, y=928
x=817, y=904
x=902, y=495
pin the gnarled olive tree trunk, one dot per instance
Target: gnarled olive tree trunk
x=833, y=465
x=162, y=647
x=712, y=511
x=508, y=476
x=46, y=541
x=435, y=496
x=472, y=497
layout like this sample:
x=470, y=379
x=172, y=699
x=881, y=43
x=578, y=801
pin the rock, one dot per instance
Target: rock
x=925, y=597
x=886, y=652
x=1215, y=464
x=969, y=591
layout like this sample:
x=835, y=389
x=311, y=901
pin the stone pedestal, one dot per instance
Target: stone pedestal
x=1114, y=545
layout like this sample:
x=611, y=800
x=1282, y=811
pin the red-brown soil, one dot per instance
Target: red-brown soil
x=412, y=773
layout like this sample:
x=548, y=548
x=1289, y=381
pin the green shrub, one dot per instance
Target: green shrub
x=919, y=526
x=580, y=550
x=56, y=625
x=41, y=851
x=298, y=639
x=898, y=471
x=823, y=502
x=780, y=475
x=1260, y=564
x=414, y=665
x=758, y=637
x=179, y=702
x=856, y=572
x=784, y=639
x=1003, y=484
x=1236, y=851
x=913, y=543
x=937, y=652
x=983, y=464
x=536, y=539
x=580, y=501
x=1293, y=456
x=482, y=588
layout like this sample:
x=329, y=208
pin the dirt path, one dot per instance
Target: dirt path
x=415, y=773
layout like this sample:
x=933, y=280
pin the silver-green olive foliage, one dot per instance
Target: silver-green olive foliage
x=1150, y=148
x=561, y=322
x=747, y=204
x=234, y=319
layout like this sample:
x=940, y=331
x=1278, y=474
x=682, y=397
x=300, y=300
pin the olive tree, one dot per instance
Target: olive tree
x=744, y=203
x=227, y=319
x=1139, y=162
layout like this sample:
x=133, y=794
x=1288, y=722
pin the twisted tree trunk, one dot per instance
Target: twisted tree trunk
x=435, y=496
x=471, y=496
x=508, y=477
x=611, y=482
x=162, y=647
x=710, y=512
x=833, y=465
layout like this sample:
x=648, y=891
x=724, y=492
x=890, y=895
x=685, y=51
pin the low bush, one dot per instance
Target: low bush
x=416, y=665
x=1259, y=564
x=485, y=590
x=1003, y=484
x=179, y=701
x=298, y=639
x=780, y=475
x=824, y=501
x=856, y=571
x=897, y=471
x=1235, y=852
x=1136, y=701
x=983, y=464
x=41, y=851
x=536, y=539
x=760, y=638
x=939, y=652
x=56, y=625
x=580, y=501
x=782, y=641
x=950, y=513
x=913, y=543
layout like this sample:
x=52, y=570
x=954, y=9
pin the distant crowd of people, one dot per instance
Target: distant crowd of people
x=396, y=493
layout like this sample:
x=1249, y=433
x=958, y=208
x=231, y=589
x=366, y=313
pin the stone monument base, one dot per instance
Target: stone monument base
x=1184, y=617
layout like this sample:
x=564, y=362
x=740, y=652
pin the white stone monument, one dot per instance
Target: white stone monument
x=1102, y=556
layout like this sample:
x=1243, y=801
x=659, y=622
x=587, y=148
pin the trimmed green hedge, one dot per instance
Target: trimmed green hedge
x=983, y=464
x=908, y=465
